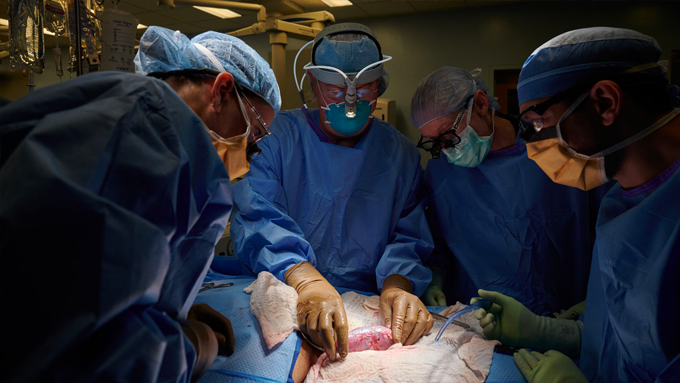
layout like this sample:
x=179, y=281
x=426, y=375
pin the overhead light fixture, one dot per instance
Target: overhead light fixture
x=48, y=32
x=219, y=12
x=337, y=3
x=4, y=22
x=141, y=26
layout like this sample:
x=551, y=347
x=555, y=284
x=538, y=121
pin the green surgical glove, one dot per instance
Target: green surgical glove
x=573, y=312
x=551, y=367
x=434, y=296
x=514, y=325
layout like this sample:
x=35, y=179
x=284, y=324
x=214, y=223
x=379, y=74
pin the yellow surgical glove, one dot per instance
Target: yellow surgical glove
x=551, y=367
x=510, y=322
x=573, y=312
x=433, y=295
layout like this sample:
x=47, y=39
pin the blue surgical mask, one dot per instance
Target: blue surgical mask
x=472, y=149
x=335, y=116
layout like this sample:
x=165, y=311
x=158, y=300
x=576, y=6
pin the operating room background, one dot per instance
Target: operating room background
x=492, y=38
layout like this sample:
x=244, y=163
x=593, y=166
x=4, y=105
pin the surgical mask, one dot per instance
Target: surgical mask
x=232, y=151
x=472, y=149
x=566, y=166
x=338, y=120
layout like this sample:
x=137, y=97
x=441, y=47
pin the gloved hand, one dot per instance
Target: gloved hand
x=573, y=312
x=320, y=312
x=514, y=325
x=551, y=367
x=434, y=296
x=404, y=313
x=209, y=332
x=219, y=324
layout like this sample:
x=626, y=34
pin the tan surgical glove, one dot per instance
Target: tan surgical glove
x=404, y=313
x=320, y=312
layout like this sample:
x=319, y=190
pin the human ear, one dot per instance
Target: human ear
x=222, y=88
x=481, y=103
x=607, y=98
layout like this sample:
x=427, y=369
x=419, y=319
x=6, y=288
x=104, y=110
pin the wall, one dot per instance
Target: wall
x=490, y=37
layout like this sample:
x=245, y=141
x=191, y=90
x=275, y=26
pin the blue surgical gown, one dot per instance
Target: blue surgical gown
x=112, y=200
x=355, y=213
x=505, y=226
x=631, y=329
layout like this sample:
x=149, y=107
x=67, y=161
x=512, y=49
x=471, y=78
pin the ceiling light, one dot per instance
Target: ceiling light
x=141, y=26
x=219, y=12
x=48, y=32
x=4, y=22
x=337, y=3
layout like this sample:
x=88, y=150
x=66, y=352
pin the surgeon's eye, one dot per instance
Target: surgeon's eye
x=365, y=93
x=335, y=94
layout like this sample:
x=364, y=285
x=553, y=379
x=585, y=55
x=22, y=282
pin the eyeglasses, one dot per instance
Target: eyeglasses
x=530, y=124
x=257, y=134
x=447, y=139
x=338, y=96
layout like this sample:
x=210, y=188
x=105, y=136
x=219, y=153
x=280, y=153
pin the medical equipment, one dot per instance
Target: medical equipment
x=212, y=285
x=55, y=22
x=325, y=73
x=26, y=45
x=470, y=308
x=437, y=316
x=118, y=40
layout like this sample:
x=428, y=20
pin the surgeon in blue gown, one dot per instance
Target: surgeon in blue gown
x=112, y=199
x=337, y=203
x=493, y=227
x=601, y=108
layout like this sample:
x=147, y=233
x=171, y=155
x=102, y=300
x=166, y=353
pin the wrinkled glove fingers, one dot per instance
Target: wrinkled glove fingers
x=399, y=307
x=341, y=332
x=441, y=299
x=530, y=358
x=522, y=364
x=386, y=312
x=327, y=334
x=490, y=331
x=420, y=329
x=487, y=319
x=410, y=322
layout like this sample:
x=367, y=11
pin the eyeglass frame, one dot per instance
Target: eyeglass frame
x=265, y=128
x=435, y=151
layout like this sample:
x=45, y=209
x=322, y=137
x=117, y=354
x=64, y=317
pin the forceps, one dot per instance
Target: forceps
x=212, y=285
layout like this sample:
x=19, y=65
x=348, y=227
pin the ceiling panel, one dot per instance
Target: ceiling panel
x=187, y=14
x=384, y=8
x=219, y=25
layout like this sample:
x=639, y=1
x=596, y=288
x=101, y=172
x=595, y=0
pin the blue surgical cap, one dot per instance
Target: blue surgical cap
x=348, y=56
x=584, y=54
x=445, y=91
x=164, y=50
